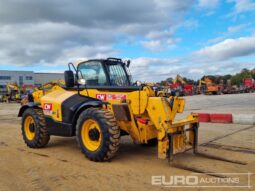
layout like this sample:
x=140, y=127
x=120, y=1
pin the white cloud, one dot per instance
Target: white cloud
x=159, y=45
x=236, y=28
x=196, y=71
x=47, y=42
x=153, y=45
x=227, y=49
x=190, y=24
x=157, y=69
x=54, y=33
x=208, y=4
x=154, y=69
x=242, y=6
x=160, y=34
x=231, y=30
x=47, y=31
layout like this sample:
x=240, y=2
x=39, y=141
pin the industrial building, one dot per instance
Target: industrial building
x=43, y=78
x=26, y=78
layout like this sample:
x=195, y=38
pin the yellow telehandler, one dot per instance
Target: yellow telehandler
x=98, y=104
x=14, y=93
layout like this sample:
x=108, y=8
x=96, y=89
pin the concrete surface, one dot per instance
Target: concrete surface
x=228, y=103
x=247, y=119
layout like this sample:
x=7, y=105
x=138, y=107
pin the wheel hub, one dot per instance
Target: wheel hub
x=31, y=128
x=94, y=134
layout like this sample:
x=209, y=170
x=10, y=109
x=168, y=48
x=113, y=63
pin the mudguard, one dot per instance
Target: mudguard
x=85, y=105
x=26, y=106
x=73, y=105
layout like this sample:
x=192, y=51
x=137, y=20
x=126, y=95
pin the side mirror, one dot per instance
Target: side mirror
x=128, y=63
x=69, y=78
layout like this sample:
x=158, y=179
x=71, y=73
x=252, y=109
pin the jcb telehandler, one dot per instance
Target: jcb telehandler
x=98, y=104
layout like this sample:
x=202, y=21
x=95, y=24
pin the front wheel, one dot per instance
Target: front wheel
x=34, y=128
x=97, y=134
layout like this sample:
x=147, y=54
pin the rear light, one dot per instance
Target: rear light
x=142, y=120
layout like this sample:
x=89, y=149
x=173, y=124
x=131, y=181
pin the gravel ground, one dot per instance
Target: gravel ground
x=61, y=166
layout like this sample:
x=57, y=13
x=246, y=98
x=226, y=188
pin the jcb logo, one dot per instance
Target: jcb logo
x=47, y=106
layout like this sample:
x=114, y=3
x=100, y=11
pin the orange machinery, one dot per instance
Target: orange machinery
x=180, y=87
x=211, y=88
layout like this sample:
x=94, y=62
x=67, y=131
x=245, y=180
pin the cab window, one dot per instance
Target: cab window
x=93, y=73
x=117, y=75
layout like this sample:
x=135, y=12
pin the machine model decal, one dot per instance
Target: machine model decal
x=105, y=97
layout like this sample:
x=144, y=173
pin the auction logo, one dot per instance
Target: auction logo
x=216, y=180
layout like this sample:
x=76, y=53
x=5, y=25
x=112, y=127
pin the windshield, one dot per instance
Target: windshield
x=94, y=73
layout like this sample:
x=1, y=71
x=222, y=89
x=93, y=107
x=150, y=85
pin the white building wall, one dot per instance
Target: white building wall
x=43, y=78
x=20, y=77
x=26, y=78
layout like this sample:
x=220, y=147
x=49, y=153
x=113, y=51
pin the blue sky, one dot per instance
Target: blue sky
x=162, y=38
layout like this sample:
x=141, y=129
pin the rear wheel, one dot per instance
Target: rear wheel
x=34, y=128
x=98, y=134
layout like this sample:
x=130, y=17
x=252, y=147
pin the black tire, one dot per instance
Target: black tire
x=110, y=133
x=41, y=137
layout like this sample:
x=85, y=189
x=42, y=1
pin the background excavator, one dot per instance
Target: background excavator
x=42, y=90
x=159, y=90
x=179, y=87
x=14, y=93
x=201, y=88
x=211, y=88
x=98, y=104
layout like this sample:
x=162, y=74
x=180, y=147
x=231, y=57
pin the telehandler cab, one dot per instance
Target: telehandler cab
x=98, y=104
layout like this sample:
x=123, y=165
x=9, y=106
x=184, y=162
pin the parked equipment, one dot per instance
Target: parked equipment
x=211, y=88
x=14, y=93
x=42, y=90
x=2, y=98
x=163, y=91
x=28, y=88
x=160, y=91
x=180, y=87
x=228, y=88
x=249, y=85
x=98, y=104
x=201, y=87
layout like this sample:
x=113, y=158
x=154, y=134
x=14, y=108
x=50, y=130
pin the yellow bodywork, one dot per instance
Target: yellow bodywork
x=151, y=116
